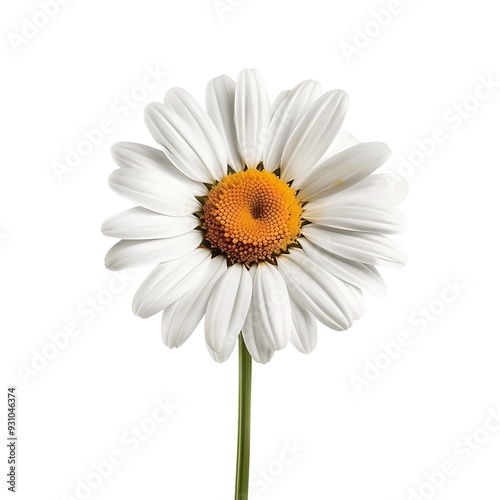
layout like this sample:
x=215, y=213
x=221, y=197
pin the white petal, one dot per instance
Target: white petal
x=227, y=310
x=320, y=292
x=285, y=119
x=219, y=97
x=304, y=328
x=139, y=223
x=355, y=299
x=134, y=253
x=386, y=188
x=169, y=281
x=258, y=345
x=343, y=140
x=361, y=275
x=190, y=139
x=313, y=135
x=356, y=214
x=189, y=110
x=180, y=319
x=277, y=102
x=369, y=248
x=223, y=356
x=343, y=170
x=154, y=190
x=269, y=316
x=252, y=116
x=139, y=156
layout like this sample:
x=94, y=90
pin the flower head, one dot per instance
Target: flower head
x=261, y=218
x=251, y=216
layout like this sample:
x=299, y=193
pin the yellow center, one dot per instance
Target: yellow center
x=251, y=216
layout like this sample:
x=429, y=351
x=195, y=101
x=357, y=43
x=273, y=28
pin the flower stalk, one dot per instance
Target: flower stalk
x=244, y=410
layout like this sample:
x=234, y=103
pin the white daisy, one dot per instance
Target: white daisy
x=260, y=217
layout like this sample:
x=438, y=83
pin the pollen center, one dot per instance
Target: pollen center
x=251, y=216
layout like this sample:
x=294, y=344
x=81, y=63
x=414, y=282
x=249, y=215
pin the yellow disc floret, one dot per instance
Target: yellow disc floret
x=251, y=216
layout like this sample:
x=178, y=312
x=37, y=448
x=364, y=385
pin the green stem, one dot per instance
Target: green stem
x=244, y=404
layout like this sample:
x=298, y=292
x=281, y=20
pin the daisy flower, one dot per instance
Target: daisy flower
x=261, y=218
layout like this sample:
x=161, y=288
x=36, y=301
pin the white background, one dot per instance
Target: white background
x=412, y=76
